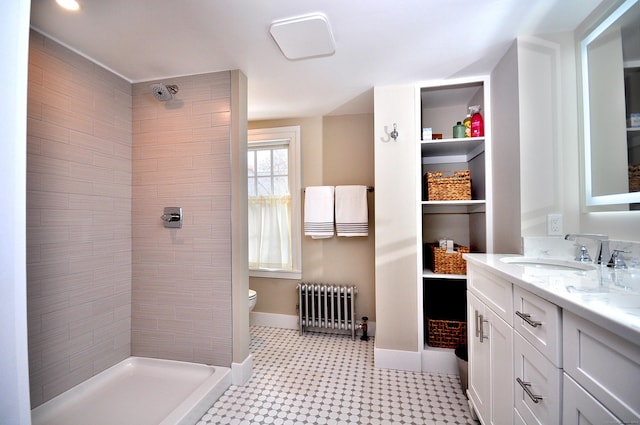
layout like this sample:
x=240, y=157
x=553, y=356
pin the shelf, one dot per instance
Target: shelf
x=428, y=274
x=459, y=207
x=451, y=150
x=441, y=105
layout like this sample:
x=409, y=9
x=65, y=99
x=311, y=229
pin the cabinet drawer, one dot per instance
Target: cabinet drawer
x=579, y=407
x=607, y=366
x=539, y=322
x=536, y=384
x=493, y=291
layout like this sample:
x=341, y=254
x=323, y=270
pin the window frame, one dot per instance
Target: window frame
x=267, y=137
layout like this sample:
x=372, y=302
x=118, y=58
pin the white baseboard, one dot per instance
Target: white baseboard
x=273, y=320
x=287, y=321
x=429, y=360
x=241, y=372
x=397, y=359
x=439, y=360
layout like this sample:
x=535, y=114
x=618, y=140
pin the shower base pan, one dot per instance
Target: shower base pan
x=138, y=391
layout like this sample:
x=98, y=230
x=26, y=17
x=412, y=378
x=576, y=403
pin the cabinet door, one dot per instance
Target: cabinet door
x=500, y=339
x=517, y=419
x=479, y=378
x=490, y=364
x=580, y=408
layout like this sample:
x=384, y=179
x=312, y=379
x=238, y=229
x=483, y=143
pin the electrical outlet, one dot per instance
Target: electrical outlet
x=554, y=224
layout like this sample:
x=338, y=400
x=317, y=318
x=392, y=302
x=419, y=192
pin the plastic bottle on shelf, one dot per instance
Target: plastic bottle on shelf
x=477, y=123
x=467, y=124
x=458, y=130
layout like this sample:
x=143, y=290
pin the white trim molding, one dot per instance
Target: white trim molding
x=242, y=372
x=397, y=359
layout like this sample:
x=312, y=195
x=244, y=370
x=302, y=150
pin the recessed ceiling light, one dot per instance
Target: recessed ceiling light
x=68, y=4
x=303, y=37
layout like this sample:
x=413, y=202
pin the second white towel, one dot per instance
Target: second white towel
x=352, y=214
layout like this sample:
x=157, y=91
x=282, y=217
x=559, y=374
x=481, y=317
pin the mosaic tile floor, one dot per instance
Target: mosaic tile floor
x=330, y=379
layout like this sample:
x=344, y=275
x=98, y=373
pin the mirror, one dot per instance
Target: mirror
x=611, y=109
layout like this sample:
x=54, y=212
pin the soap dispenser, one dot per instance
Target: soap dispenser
x=477, y=123
x=467, y=124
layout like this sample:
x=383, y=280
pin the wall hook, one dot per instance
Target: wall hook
x=394, y=133
x=390, y=135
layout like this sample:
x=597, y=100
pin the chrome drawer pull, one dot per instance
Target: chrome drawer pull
x=477, y=325
x=527, y=318
x=525, y=386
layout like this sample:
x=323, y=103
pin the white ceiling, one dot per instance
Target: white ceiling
x=378, y=42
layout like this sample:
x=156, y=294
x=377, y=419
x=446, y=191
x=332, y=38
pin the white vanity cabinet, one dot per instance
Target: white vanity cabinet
x=490, y=345
x=534, y=362
x=513, y=376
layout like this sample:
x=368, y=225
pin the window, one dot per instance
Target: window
x=273, y=172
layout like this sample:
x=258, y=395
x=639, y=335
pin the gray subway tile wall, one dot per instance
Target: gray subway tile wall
x=181, y=307
x=79, y=145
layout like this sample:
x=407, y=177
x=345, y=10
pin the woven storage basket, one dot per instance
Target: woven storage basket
x=449, y=262
x=446, y=333
x=634, y=178
x=449, y=188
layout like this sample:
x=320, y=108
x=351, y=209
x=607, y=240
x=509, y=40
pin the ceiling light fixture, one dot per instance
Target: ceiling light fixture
x=303, y=37
x=68, y=4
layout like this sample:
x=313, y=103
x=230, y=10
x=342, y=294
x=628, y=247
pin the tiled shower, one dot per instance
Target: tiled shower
x=105, y=279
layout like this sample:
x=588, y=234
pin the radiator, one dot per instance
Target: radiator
x=327, y=307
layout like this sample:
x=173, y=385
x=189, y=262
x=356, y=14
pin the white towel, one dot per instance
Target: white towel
x=352, y=215
x=318, y=211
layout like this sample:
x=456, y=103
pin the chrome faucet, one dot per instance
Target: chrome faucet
x=617, y=262
x=602, y=245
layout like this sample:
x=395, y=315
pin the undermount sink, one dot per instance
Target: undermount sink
x=548, y=263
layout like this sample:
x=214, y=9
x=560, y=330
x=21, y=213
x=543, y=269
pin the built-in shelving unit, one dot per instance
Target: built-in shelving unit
x=440, y=106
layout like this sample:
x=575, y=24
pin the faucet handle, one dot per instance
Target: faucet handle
x=616, y=261
x=583, y=254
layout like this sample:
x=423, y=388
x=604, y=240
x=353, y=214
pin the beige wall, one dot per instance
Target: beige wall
x=78, y=218
x=181, y=287
x=336, y=150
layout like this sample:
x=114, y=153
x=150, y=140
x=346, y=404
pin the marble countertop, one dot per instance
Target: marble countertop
x=607, y=297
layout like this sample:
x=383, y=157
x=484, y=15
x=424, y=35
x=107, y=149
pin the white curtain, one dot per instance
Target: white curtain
x=269, y=236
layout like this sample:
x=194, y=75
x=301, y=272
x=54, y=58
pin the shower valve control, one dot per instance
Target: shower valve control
x=172, y=217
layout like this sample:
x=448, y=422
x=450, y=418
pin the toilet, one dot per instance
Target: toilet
x=252, y=299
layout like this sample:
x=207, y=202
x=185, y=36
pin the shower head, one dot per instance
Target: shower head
x=162, y=92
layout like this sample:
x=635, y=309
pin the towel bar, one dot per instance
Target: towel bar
x=369, y=189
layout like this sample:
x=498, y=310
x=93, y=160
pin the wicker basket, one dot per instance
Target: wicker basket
x=634, y=178
x=449, y=262
x=449, y=188
x=446, y=333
